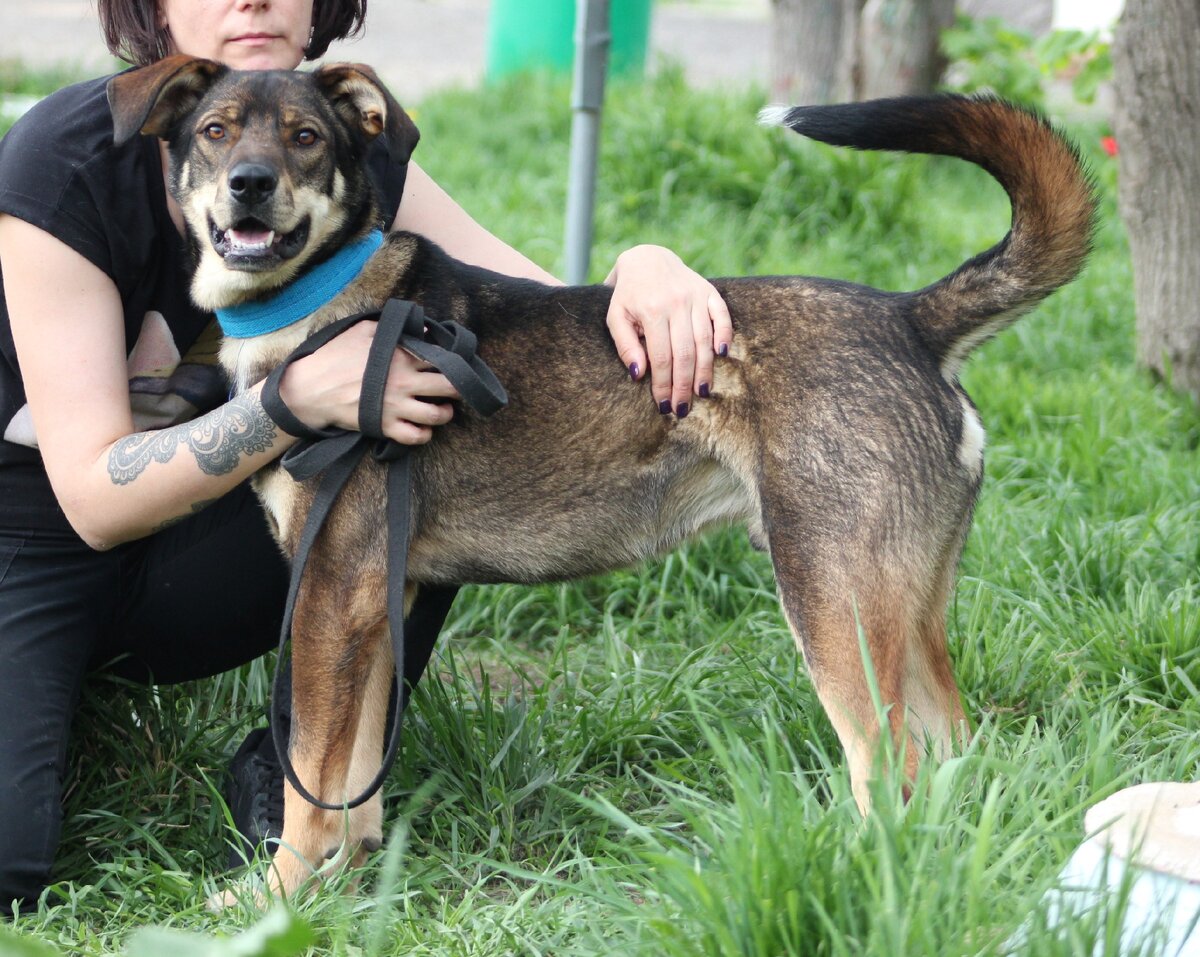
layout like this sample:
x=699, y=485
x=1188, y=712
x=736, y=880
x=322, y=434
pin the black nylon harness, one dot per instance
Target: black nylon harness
x=334, y=453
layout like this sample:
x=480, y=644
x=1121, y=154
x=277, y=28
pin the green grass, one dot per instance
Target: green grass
x=638, y=763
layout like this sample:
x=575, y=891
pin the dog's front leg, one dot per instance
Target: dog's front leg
x=340, y=651
x=366, y=820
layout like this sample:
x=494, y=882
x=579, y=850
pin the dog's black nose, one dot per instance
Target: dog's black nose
x=251, y=183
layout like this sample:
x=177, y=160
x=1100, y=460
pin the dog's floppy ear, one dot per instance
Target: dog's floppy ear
x=362, y=100
x=154, y=98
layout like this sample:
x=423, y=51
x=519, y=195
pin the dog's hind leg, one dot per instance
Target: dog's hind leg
x=832, y=594
x=826, y=623
x=935, y=715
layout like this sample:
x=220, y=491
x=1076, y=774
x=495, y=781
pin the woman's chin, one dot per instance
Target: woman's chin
x=277, y=55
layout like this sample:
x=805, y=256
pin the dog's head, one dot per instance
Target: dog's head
x=268, y=167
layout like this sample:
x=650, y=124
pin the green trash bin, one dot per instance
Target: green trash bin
x=540, y=35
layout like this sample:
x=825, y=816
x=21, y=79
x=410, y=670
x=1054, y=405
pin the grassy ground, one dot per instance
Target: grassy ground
x=638, y=763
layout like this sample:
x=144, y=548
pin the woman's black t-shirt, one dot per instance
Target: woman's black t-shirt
x=61, y=172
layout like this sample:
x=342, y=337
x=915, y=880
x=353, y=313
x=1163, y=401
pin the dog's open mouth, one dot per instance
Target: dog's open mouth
x=250, y=244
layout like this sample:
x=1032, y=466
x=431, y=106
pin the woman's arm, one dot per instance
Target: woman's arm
x=115, y=484
x=428, y=210
x=664, y=318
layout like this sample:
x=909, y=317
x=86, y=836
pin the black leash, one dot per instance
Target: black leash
x=335, y=453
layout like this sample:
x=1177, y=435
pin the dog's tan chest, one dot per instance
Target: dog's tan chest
x=277, y=493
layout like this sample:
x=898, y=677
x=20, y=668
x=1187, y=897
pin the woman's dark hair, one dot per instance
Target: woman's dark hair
x=132, y=31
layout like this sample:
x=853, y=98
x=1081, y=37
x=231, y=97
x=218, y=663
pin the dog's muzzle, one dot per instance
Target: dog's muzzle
x=251, y=243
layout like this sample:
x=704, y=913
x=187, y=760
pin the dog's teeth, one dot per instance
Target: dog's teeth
x=247, y=240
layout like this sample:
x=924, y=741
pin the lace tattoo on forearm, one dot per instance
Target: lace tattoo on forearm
x=217, y=440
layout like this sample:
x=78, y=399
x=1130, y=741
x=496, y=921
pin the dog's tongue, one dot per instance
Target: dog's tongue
x=251, y=238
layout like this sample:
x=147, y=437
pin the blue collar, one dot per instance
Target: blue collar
x=304, y=295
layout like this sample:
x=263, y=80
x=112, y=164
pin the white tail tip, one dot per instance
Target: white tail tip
x=775, y=115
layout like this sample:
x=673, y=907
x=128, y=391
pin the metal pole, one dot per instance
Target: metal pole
x=592, y=38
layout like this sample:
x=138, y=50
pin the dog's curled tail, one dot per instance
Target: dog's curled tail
x=1052, y=195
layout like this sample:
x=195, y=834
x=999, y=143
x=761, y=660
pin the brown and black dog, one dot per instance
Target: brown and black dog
x=837, y=430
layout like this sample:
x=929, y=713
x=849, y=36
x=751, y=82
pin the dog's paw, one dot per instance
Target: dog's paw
x=372, y=842
x=247, y=895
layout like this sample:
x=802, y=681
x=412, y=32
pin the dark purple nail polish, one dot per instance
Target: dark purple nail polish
x=703, y=390
x=664, y=406
x=723, y=350
x=633, y=370
x=682, y=411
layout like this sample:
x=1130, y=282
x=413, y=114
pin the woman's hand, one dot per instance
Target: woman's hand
x=323, y=389
x=679, y=315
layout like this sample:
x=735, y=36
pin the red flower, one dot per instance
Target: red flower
x=1109, y=145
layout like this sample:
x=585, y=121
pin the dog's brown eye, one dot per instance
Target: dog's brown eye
x=215, y=131
x=306, y=137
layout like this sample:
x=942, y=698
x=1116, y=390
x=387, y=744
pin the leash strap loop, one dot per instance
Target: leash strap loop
x=399, y=320
x=333, y=455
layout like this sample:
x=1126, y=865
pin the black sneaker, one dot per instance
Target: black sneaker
x=255, y=797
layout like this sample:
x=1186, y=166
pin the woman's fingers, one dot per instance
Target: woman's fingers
x=670, y=322
x=685, y=345
x=407, y=433
x=660, y=355
x=722, y=324
x=411, y=408
x=627, y=338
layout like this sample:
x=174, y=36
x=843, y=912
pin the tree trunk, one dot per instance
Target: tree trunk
x=814, y=50
x=1156, y=78
x=1032, y=16
x=899, y=46
x=827, y=51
